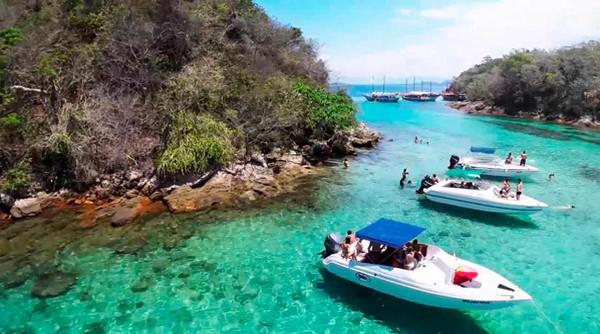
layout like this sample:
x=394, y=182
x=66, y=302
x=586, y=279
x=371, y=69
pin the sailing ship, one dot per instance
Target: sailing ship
x=420, y=96
x=381, y=96
x=449, y=95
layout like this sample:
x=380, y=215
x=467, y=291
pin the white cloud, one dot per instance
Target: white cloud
x=473, y=32
x=405, y=11
x=443, y=13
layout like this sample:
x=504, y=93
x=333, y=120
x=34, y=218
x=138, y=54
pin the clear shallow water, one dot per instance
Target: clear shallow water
x=258, y=270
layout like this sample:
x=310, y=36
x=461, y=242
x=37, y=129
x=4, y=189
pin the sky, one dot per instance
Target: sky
x=363, y=40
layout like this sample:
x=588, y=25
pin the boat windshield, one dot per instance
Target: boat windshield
x=469, y=185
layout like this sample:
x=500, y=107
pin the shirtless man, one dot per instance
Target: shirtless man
x=523, y=159
x=519, y=189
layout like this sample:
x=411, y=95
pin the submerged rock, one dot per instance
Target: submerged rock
x=123, y=216
x=53, y=284
x=142, y=284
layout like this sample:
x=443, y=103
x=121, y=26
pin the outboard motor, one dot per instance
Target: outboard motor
x=425, y=183
x=332, y=244
x=454, y=159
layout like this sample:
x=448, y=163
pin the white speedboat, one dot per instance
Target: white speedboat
x=480, y=196
x=490, y=165
x=439, y=279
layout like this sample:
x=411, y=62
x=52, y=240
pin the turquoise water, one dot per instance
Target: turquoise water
x=259, y=270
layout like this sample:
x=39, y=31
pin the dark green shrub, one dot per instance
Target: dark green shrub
x=17, y=180
x=327, y=111
x=196, y=143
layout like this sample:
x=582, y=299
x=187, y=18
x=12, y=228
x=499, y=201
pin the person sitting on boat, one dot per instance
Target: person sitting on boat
x=509, y=159
x=519, y=189
x=409, y=261
x=435, y=179
x=523, y=159
x=356, y=242
x=505, y=190
x=351, y=235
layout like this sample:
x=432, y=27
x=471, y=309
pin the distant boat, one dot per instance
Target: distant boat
x=420, y=96
x=382, y=96
x=453, y=96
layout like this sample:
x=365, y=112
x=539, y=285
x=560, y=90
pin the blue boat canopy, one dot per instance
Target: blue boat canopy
x=488, y=150
x=390, y=232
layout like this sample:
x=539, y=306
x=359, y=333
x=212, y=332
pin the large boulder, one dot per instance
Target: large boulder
x=362, y=136
x=53, y=284
x=341, y=144
x=320, y=150
x=27, y=207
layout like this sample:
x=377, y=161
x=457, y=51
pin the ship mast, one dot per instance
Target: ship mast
x=414, y=83
x=383, y=84
x=372, y=84
x=405, y=86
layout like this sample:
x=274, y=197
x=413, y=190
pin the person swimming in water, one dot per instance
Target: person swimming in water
x=403, y=179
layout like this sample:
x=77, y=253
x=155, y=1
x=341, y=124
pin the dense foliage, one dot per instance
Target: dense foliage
x=558, y=83
x=89, y=87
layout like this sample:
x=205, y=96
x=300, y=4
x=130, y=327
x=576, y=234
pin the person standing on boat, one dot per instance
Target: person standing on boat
x=509, y=159
x=519, y=189
x=403, y=179
x=523, y=159
x=416, y=140
x=348, y=249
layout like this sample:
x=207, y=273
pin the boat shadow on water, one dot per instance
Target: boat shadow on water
x=489, y=218
x=399, y=315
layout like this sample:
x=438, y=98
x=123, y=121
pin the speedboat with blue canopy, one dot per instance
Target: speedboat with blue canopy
x=483, y=162
x=437, y=279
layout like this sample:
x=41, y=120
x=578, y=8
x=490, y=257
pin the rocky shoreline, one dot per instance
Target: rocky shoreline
x=481, y=108
x=123, y=198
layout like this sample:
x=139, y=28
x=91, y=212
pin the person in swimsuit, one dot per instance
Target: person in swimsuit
x=505, y=188
x=509, y=159
x=349, y=249
x=435, y=179
x=346, y=163
x=403, y=179
x=416, y=140
x=523, y=159
x=409, y=261
x=519, y=189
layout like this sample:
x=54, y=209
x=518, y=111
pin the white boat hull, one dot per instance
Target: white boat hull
x=495, y=167
x=482, y=200
x=404, y=284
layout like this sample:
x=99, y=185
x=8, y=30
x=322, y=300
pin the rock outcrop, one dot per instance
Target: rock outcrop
x=240, y=184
